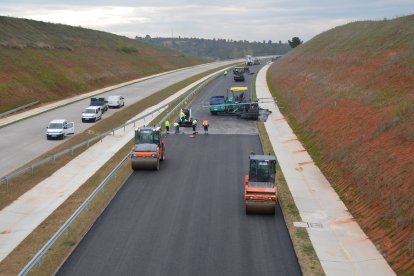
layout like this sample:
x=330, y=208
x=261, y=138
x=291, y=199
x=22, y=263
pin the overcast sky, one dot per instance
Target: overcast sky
x=253, y=20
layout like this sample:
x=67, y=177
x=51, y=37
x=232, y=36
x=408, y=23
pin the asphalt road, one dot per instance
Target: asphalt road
x=187, y=219
x=25, y=140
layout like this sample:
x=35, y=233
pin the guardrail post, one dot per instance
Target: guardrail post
x=71, y=151
x=31, y=170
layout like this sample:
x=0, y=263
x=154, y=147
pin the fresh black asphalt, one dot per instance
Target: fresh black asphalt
x=187, y=219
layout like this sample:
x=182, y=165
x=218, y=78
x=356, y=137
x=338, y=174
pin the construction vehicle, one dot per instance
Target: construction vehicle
x=186, y=120
x=238, y=73
x=149, y=149
x=228, y=104
x=260, y=192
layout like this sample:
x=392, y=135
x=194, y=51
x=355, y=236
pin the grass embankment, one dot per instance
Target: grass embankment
x=307, y=258
x=348, y=95
x=26, y=250
x=46, y=62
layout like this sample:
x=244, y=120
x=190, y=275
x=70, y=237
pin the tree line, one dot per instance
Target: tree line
x=219, y=48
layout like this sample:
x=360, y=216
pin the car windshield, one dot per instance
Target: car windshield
x=90, y=111
x=56, y=126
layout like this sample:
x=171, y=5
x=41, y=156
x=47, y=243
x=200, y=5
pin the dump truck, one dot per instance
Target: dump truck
x=238, y=73
x=149, y=149
x=260, y=192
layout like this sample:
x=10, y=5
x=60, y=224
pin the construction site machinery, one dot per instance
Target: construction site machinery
x=238, y=73
x=186, y=119
x=260, y=192
x=228, y=104
x=149, y=149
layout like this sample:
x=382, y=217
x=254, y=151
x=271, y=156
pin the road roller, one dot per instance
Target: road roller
x=260, y=190
x=149, y=149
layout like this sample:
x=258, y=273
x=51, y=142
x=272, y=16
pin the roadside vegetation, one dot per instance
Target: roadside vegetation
x=46, y=62
x=13, y=263
x=307, y=258
x=350, y=101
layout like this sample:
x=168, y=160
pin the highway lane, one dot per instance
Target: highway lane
x=187, y=219
x=223, y=124
x=25, y=140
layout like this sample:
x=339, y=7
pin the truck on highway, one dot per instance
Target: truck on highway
x=260, y=193
x=58, y=129
x=149, y=149
x=101, y=102
x=238, y=73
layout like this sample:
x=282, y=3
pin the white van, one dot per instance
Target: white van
x=92, y=113
x=115, y=101
x=58, y=129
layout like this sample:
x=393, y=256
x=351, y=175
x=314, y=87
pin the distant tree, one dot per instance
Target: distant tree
x=269, y=42
x=295, y=42
x=148, y=37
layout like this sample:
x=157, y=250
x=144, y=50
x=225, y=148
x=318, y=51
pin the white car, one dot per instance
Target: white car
x=115, y=101
x=58, y=129
x=92, y=114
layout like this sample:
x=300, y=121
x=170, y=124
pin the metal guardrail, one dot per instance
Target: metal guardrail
x=18, y=108
x=30, y=168
x=38, y=258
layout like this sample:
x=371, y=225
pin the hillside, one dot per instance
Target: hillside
x=47, y=62
x=219, y=48
x=349, y=94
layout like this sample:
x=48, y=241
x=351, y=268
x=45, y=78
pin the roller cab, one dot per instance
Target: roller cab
x=149, y=149
x=260, y=191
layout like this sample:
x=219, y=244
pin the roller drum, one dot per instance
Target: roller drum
x=145, y=164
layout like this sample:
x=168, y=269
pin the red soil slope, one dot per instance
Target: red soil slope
x=349, y=93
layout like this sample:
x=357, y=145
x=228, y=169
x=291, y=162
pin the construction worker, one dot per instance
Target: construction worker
x=177, y=127
x=194, y=125
x=205, y=126
x=182, y=116
x=167, y=126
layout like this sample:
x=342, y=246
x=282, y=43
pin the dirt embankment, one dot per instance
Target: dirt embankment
x=47, y=62
x=349, y=94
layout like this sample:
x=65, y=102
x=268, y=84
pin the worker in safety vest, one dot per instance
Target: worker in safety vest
x=167, y=126
x=194, y=125
x=205, y=126
x=182, y=116
x=177, y=127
